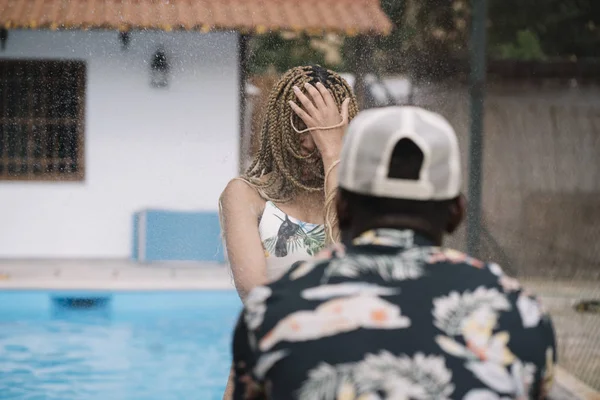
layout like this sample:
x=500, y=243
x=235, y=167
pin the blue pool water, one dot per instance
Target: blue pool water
x=112, y=346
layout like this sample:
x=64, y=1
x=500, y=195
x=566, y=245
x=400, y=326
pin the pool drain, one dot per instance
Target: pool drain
x=81, y=303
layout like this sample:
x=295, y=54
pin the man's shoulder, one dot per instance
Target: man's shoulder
x=365, y=263
x=339, y=255
x=489, y=271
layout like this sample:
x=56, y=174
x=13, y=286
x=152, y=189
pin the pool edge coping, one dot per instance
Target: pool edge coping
x=83, y=285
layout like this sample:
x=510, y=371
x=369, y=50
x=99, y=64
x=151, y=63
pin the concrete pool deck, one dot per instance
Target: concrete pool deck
x=112, y=275
x=580, y=332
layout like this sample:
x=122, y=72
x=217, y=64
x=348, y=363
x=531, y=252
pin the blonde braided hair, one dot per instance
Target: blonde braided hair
x=275, y=170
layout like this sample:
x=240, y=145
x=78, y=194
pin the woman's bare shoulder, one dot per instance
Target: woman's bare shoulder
x=240, y=193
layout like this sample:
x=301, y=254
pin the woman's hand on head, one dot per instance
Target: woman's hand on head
x=321, y=111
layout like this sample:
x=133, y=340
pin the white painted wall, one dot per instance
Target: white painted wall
x=170, y=148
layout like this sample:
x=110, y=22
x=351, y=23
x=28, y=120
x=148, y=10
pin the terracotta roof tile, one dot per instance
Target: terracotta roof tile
x=330, y=16
x=185, y=15
x=313, y=16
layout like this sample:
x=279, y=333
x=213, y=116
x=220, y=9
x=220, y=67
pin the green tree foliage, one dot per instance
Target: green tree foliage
x=430, y=35
x=527, y=47
x=564, y=28
x=282, y=52
x=518, y=29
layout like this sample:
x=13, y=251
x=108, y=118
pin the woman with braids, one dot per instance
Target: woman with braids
x=281, y=210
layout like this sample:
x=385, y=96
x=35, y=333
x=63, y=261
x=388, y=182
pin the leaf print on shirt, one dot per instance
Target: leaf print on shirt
x=395, y=377
x=518, y=382
x=294, y=235
x=523, y=375
x=347, y=289
x=452, y=312
x=474, y=317
x=255, y=306
x=336, y=316
x=421, y=377
x=508, y=284
x=494, y=376
x=530, y=310
x=481, y=344
x=326, y=381
x=495, y=269
x=267, y=361
x=406, y=265
x=484, y=394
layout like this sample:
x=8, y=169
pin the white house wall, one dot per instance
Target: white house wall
x=172, y=148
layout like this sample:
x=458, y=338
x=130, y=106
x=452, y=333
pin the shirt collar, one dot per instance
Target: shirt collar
x=402, y=238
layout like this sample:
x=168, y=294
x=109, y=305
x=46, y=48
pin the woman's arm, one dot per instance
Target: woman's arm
x=331, y=185
x=230, y=388
x=240, y=207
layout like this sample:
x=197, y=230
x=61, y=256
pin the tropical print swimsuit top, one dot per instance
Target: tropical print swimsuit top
x=286, y=240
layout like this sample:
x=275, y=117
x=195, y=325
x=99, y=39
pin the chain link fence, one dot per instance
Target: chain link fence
x=541, y=201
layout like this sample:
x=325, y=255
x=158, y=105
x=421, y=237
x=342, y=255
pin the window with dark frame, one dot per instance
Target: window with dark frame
x=42, y=120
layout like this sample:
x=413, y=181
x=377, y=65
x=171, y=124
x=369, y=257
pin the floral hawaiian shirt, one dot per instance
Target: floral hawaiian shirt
x=393, y=317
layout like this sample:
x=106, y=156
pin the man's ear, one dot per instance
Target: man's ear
x=343, y=211
x=458, y=209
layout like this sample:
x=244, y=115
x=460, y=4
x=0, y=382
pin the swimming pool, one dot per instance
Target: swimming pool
x=71, y=345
